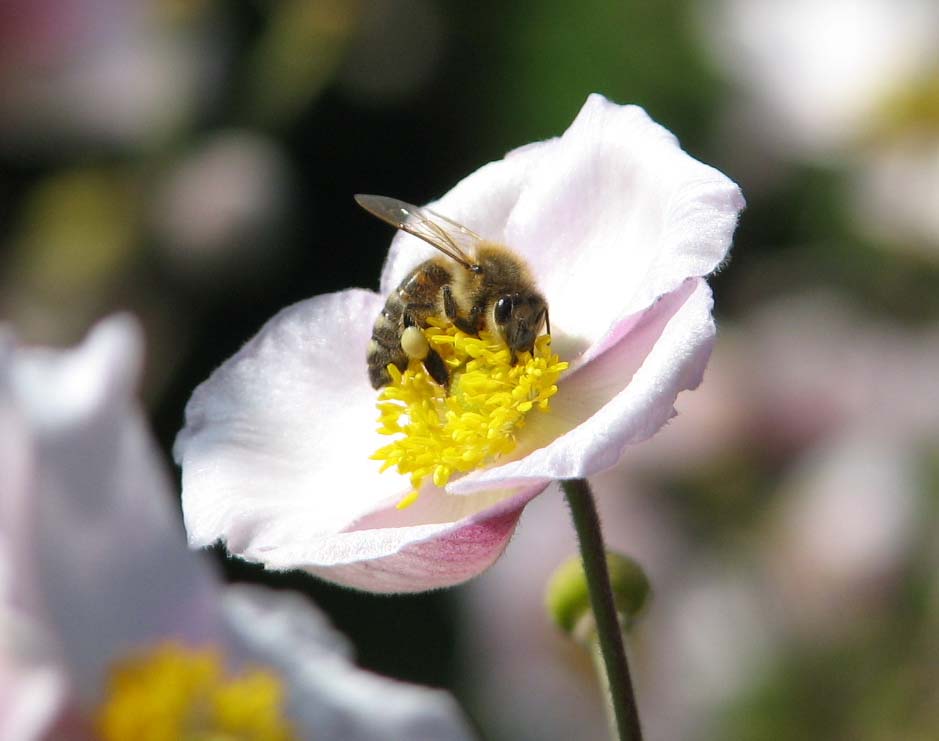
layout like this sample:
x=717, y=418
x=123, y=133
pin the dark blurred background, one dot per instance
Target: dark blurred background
x=194, y=163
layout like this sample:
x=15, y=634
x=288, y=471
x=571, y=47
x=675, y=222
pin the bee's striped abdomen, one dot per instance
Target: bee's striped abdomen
x=416, y=298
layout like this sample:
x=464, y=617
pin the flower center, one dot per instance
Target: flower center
x=446, y=432
x=173, y=691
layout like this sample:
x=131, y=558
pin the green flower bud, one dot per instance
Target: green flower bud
x=568, y=600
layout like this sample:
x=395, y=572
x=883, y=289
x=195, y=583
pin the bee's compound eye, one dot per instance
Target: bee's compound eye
x=414, y=343
x=503, y=309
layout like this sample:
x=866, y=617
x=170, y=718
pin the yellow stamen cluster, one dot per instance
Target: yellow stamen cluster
x=175, y=692
x=478, y=420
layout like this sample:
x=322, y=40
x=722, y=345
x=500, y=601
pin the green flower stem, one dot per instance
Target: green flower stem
x=609, y=632
x=596, y=653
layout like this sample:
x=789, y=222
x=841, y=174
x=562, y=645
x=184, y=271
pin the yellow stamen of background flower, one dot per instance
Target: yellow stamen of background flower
x=176, y=692
x=910, y=110
x=443, y=433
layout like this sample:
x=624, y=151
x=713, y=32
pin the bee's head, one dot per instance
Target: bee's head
x=519, y=318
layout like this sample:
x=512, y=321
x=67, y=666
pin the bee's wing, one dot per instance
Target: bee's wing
x=451, y=238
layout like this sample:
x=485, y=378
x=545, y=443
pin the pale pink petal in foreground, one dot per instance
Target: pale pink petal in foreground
x=95, y=568
x=620, y=227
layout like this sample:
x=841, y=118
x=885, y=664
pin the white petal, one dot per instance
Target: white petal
x=619, y=399
x=57, y=389
x=280, y=435
x=618, y=215
x=330, y=698
x=107, y=555
x=31, y=697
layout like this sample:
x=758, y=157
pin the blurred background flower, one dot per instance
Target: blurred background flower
x=112, y=628
x=849, y=84
x=194, y=163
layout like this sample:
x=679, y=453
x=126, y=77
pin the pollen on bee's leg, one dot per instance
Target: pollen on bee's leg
x=444, y=430
x=414, y=343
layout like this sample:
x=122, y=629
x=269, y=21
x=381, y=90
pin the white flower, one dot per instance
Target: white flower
x=815, y=76
x=853, y=82
x=618, y=225
x=96, y=582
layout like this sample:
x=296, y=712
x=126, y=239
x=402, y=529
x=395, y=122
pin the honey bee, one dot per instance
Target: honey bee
x=476, y=284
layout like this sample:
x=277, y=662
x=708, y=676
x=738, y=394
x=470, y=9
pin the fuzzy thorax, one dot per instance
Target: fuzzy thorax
x=444, y=432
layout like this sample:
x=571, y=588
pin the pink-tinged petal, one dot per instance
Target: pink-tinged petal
x=622, y=397
x=278, y=439
x=437, y=542
x=109, y=560
x=617, y=216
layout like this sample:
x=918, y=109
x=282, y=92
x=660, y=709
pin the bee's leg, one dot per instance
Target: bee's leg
x=470, y=324
x=416, y=347
x=437, y=369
